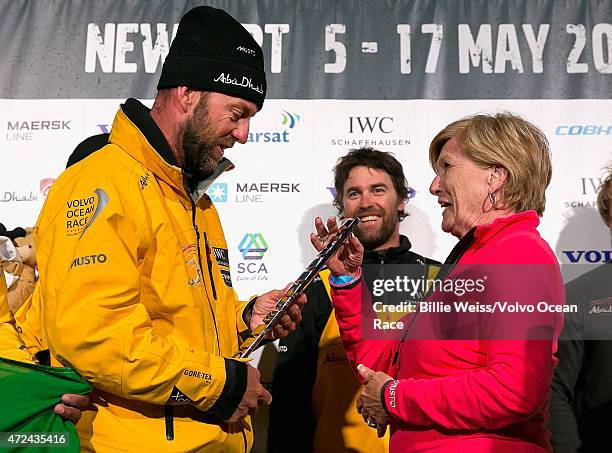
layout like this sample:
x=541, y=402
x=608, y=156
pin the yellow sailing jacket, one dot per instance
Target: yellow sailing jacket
x=137, y=297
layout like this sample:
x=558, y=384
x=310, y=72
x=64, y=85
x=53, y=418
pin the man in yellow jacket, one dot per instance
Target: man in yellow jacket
x=134, y=270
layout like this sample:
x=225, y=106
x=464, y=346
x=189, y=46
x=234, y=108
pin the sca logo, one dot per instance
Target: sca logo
x=253, y=247
x=218, y=192
x=288, y=121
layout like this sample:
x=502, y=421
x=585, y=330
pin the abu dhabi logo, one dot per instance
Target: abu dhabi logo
x=218, y=192
x=45, y=185
x=289, y=121
x=253, y=246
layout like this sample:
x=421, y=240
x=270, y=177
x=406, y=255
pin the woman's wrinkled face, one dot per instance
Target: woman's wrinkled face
x=461, y=187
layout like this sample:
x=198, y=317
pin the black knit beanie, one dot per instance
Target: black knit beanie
x=213, y=52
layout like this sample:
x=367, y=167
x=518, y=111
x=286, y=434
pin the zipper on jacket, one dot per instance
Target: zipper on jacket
x=209, y=264
x=169, y=422
x=197, y=233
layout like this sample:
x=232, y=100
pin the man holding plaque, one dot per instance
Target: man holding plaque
x=314, y=388
x=134, y=267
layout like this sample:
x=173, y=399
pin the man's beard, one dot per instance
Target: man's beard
x=198, y=144
x=372, y=239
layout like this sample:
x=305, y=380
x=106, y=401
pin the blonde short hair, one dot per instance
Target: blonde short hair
x=509, y=141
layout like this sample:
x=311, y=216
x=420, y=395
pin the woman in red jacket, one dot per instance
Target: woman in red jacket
x=471, y=380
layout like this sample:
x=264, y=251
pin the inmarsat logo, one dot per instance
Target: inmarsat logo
x=252, y=247
x=288, y=122
x=218, y=192
x=289, y=119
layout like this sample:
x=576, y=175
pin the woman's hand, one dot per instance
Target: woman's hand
x=369, y=403
x=347, y=259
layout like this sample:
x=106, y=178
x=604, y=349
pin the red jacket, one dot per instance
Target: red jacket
x=471, y=395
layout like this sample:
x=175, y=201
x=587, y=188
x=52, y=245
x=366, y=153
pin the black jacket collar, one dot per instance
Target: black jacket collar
x=141, y=117
x=394, y=255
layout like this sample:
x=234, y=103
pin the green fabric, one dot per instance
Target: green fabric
x=28, y=395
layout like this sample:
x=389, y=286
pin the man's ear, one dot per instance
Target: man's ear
x=186, y=98
x=497, y=178
x=401, y=205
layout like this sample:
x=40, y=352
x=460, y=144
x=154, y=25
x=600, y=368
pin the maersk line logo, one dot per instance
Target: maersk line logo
x=218, y=192
x=288, y=122
x=253, y=246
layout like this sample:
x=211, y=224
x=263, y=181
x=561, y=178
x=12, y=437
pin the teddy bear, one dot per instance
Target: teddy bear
x=18, y=261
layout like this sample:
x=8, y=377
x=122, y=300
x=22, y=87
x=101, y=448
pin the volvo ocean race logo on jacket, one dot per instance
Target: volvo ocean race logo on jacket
x=82, y=212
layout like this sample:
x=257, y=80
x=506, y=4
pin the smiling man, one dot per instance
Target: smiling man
x=314, y=387
x=134, y=267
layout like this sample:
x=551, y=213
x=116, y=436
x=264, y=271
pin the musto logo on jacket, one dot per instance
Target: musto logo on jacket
x=82, y=212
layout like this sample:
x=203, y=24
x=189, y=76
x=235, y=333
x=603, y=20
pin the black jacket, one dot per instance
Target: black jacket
x=581, y=397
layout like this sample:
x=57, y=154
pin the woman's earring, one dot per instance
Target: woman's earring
x=492, y=198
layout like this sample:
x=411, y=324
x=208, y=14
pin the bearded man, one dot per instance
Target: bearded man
x=314, y=387
x=135, y=282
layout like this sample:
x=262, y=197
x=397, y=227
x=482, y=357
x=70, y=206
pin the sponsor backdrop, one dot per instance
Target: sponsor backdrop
x=387, y=74
x=343, y=74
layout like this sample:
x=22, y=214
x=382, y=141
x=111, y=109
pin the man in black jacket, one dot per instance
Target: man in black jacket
x=314, y=389
x=581, y=397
